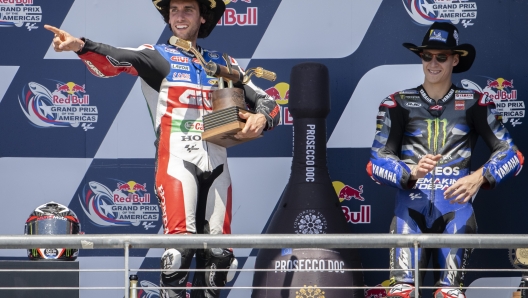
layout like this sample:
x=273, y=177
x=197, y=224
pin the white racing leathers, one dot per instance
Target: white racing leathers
x=192, y=177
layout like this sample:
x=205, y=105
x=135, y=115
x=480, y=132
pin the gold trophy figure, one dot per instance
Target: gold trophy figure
x=224, y=122
x=519, y=260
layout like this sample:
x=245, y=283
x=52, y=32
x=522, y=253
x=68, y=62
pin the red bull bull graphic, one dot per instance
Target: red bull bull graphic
x=67, y=106
x=16, y=13
x=129, y=204
x=349, y=193
x=426, y=12
x=500, y=84
x=504, y=95
x=507, y=84
x=140, y=187
x=281, y=94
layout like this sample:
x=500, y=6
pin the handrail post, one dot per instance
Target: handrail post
x=416, y=270
x=127, y=283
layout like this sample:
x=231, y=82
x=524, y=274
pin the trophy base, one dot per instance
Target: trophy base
x=223, y=135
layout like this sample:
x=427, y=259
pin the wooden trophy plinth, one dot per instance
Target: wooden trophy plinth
x=224, y=122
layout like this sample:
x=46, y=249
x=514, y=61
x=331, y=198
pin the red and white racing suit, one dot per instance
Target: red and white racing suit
x=187, y=167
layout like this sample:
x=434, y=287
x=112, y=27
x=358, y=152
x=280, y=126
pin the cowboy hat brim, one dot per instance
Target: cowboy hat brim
x=216, y=6
x=467, y=53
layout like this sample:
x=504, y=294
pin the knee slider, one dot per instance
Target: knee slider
x=219, y=260
x=174, y=259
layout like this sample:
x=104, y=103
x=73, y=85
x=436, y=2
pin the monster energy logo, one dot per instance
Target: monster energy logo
x=433, y=129
x=68, y=253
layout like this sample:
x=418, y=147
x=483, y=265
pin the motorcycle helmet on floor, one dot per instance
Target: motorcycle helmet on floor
x=52, y=219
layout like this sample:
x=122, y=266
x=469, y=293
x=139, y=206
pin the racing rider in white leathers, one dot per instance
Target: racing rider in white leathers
x=190, y=173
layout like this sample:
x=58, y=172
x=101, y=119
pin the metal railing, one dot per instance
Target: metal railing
x=274, y=241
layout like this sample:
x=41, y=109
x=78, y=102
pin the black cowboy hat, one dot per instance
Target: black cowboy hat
x=215, y=11
x=444, y=36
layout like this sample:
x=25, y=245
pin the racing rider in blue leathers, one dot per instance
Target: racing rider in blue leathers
x=423, y=144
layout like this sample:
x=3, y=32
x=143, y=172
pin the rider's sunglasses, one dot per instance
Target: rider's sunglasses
x=428, y=57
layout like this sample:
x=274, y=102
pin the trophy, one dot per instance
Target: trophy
x=224, y=122
x=519, y=260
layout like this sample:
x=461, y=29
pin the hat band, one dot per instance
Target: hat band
x=156, y=4
x=462, y=53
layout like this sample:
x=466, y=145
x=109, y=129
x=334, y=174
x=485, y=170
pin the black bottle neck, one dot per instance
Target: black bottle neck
x=309, y=151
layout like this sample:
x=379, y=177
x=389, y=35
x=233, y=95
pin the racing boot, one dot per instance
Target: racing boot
x=172, y=260
x=217, y=260
x=401, y=291
x=448, y=293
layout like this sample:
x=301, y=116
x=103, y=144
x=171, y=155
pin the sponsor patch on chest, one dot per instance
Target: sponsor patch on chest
x=460, y=105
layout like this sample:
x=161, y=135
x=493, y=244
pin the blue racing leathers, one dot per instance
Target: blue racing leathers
x=410, y=125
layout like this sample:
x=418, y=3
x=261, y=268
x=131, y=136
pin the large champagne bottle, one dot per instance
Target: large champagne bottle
x=309, y=205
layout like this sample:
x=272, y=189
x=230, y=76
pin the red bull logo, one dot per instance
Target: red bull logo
x=503, y=90
x=131, y=198
x=125, y=206
x=131, y=187
x=348, y=193
x=71, y=88
x=281, y=94
x=231, y=17
x=71, y=100
x=357, y=217
x=509, y=109
x=500, y=84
